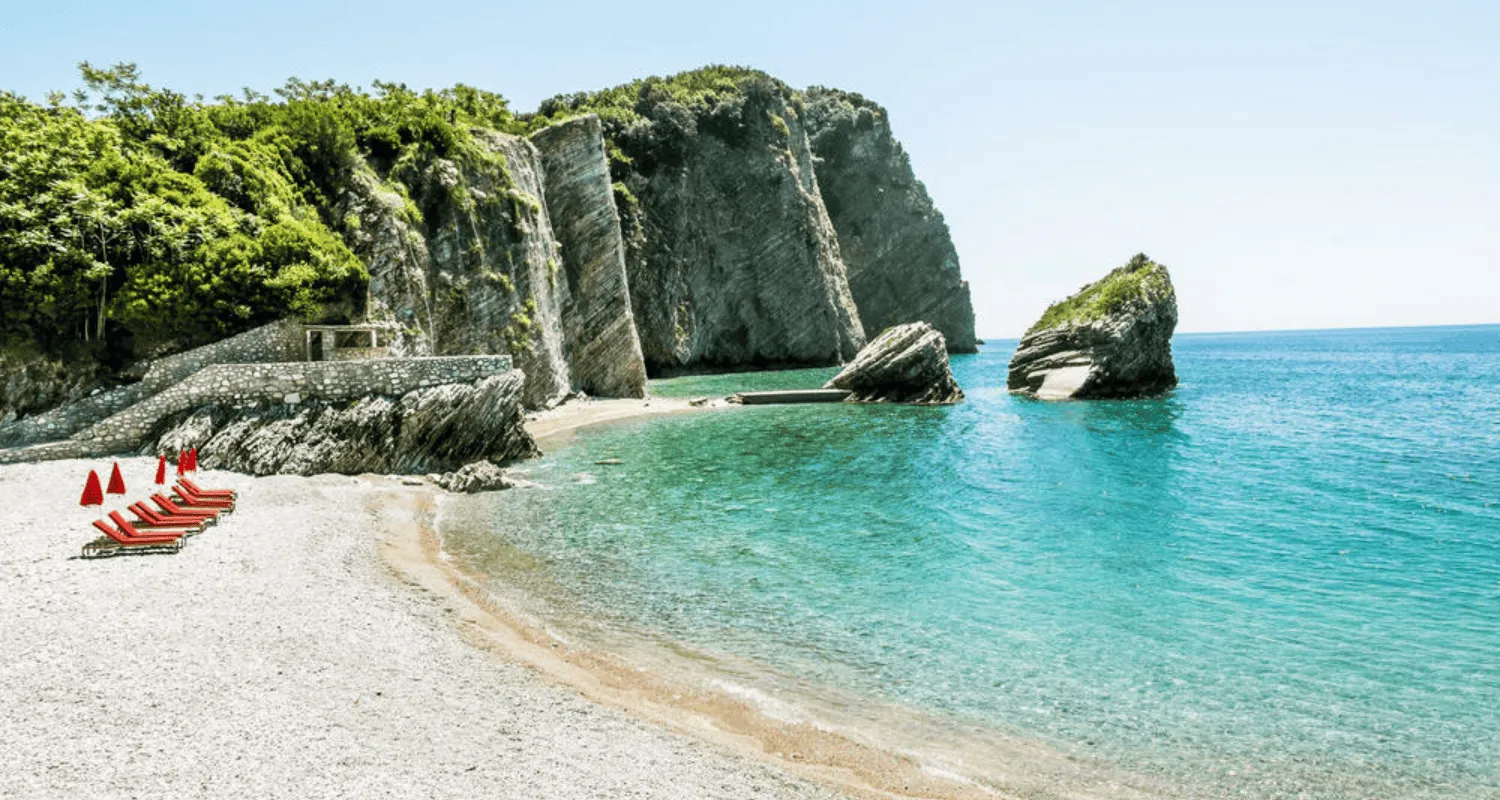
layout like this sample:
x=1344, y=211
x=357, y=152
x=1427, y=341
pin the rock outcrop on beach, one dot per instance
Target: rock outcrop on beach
x=906, y=364
x=480, y=476
x=439, y=429
x=900, y=259
x=1112, y=339
x=34, y=383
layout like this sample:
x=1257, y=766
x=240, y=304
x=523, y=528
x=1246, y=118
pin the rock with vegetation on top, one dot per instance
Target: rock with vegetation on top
x=438, y=429
x=1111, y=339
x=906, y=364
x=730, y=254
x=461, y=254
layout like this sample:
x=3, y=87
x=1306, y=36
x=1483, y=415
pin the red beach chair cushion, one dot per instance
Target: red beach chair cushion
x=126, y=539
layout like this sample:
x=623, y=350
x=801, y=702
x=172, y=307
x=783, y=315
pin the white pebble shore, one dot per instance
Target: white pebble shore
x=277, y=657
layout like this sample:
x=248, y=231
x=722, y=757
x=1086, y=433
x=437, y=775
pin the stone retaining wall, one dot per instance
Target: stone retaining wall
x=279, y=341
x=250, y=384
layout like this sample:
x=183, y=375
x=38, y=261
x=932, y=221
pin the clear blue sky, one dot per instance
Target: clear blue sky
x=1295, y=164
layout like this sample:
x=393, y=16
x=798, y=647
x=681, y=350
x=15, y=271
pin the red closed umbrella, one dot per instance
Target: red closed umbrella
x=181, y=463
x=92, y=494
x=161, y=470
x=116, y=481
x=193, y=460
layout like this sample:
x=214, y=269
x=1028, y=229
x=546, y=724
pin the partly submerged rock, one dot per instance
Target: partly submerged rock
x=480, y=476
x=437, y=429
x=1111, y=339
x=905, y=364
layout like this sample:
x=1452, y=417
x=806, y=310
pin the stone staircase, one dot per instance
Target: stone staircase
x=277, y=342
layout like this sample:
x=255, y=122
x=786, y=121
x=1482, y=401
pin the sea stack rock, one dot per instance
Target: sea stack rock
x=905, y=364
x=1113, y=339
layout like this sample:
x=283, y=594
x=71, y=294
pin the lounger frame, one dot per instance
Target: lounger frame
x=105, y=547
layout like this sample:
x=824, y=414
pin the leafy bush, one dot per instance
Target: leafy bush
x=139, y=215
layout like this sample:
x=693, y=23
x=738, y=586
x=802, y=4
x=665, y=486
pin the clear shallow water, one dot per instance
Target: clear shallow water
x=1282, y=580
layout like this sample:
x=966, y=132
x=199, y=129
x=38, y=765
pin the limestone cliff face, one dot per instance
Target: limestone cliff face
x=1112, y=339
x=901, y=262
x=731, y=257
x=599, y=333
x=461, y=252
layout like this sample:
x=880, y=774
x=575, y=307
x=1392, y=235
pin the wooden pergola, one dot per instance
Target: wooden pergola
x=348, y=342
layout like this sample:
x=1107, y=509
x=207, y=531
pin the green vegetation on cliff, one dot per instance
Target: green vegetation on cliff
x=631, y=103
x=1141, y=278
x=134, y=218
x=647, y=122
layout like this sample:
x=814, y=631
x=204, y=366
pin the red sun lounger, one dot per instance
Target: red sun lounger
x=114, y=542
x=194, y=499
x=162, y=519
x=148, y=519
x=132, y=532
x=172, y=508
x=227, y=493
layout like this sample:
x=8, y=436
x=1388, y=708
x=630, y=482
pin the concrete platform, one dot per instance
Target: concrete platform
x=791, y=396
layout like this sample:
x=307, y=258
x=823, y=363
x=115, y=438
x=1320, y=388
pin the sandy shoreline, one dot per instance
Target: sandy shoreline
x=850, y=760
x=555, y=428
x=318, y=643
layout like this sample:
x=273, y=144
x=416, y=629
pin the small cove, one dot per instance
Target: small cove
x=1282, y=579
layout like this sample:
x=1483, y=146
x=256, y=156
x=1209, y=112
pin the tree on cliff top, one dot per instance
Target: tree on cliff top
x=146, y=219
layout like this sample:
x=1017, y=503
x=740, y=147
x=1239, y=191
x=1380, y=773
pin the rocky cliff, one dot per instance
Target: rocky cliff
x=509, y=246
x=732, y=260
x=713, y=219
x=900, y=259
x=1113, y=338
x=600, y=340
x=31, y=383
x=461, y=252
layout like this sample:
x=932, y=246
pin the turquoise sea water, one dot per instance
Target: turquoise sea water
x=1281, y=580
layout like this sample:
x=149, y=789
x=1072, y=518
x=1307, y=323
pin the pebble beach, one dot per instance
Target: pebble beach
x=278, y=655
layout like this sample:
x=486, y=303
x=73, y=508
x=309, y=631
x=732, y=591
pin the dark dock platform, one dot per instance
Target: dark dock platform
x=790, y=396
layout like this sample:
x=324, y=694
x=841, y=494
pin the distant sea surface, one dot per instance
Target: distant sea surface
x=1281, y=580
